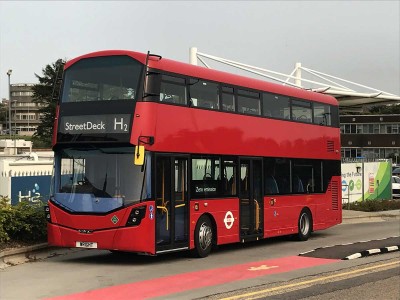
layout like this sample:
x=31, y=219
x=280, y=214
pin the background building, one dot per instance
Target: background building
x=25, y=116
x=370, y=136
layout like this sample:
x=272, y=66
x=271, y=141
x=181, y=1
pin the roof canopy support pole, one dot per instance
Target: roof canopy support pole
x=193, y=56
x=244, y=67
x=348, y=81
x=297, y=74
x=204, y=63
x=252, y=69
x=338, y=86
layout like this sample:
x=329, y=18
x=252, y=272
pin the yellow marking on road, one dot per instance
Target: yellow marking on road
x=247, y=295
x=262, y=267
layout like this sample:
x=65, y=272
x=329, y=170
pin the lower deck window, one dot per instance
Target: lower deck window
x=213, y=177
x=297, y=176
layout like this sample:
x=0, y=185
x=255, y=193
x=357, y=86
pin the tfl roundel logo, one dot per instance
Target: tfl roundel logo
x=229, y=220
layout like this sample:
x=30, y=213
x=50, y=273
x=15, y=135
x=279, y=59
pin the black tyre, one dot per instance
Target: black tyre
x=304, y=225
x=203, y=237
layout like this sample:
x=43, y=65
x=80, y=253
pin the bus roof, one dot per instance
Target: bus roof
x=186, y=69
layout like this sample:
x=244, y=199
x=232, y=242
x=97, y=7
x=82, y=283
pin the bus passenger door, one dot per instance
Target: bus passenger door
x=172, y=203
x=251, y=199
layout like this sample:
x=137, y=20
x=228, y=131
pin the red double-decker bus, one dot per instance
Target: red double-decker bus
x=154, y=156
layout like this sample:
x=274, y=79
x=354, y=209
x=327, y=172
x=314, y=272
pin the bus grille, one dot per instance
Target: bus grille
x=330, y=146
x=335, y=196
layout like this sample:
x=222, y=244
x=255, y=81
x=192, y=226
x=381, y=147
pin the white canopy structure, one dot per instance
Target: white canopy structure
x=350, y=99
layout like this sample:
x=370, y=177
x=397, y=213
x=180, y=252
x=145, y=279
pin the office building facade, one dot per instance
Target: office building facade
x=370, y=136
x=25, y=116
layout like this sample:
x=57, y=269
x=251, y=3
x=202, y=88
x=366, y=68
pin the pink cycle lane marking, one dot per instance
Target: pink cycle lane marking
x=192, y=280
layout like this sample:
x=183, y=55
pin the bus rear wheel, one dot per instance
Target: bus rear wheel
x=203, y=237
x=304, y=225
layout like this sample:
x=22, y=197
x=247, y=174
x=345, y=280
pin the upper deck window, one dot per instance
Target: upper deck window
x=249, y=103
x=198, y=93
x=301, y=111
x=227, y=99
x=276, y=106
x=102, y=78
x=204, y=94
x=322, y=114
x=173, y=90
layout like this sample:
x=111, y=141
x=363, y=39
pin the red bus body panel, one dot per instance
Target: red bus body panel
x=63, y=230
x=281, y=218
x=188, y=130
x=217, y=209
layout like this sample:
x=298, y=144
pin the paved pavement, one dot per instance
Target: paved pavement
x=352, y=216
x=11, y=257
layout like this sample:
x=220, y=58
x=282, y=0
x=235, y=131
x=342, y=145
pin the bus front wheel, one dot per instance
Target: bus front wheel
x=203, y=237
x=304, y=225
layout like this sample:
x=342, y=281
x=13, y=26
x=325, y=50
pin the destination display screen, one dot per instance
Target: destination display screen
x=105, y=127
x=92, y=124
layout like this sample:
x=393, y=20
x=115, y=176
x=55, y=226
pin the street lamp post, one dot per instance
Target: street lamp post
x=9, y=101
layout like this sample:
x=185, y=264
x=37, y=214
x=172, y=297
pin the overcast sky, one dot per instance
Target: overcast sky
x=355, y=40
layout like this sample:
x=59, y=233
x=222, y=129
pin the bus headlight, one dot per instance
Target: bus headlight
x=47, y=213
x=136, y=216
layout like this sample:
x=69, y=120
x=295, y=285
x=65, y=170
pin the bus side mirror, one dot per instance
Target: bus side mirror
x=139, y=156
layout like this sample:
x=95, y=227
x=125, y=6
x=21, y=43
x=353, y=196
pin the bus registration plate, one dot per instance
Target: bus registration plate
x=86, y=244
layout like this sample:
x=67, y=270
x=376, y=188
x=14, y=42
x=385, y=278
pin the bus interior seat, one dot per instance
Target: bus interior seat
x=270, y=185
x=283, y=185
x=297, y=185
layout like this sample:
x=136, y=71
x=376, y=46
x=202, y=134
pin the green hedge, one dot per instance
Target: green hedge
x=24, y=222
x=373, y=205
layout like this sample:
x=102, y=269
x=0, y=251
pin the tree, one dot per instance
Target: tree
x=385, y=109
x=46, y=94
x=3, y=113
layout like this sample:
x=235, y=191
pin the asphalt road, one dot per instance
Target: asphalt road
x=357, y=249
x=89, y=274
x=377, y=280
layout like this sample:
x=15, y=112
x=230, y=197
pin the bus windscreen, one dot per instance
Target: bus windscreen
x=98, y=180
x=102, y=78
